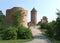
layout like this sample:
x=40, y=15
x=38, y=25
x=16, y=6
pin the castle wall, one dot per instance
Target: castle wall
x=9, y=13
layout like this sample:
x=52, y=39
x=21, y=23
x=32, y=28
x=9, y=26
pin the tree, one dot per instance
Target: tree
x=49, y=28
x=43, y=25
x=58, y=28
x=24, y=33
x=10, y=33
x=2, y=24
x=1, y=13
x=2, y=18
x=17, y=18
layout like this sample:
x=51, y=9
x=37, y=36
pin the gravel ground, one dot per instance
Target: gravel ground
x=38, y=37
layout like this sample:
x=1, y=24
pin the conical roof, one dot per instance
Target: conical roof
x=33, y=10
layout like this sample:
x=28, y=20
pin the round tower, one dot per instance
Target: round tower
x=9, y=13
x=33, y=16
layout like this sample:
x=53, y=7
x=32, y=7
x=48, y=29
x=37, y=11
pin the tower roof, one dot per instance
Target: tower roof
x=34, y=10
x=44, y=17
x=18, y=8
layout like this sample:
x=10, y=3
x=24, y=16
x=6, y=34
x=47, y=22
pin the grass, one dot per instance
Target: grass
x=52, y=39
x=15, y=41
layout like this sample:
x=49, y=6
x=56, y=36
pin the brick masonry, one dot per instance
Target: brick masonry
x=9, y=12
x=33, y=16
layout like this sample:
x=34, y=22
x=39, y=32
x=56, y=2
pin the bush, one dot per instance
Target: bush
x=17, y=18
x=2, y=29
x=49, y=28
x=19, y=32
x=10, y=34
x=58, y=28
x=24, y=33
x=43, y=25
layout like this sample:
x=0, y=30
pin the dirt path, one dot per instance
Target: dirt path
x=38, y=37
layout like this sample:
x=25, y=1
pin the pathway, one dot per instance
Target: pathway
x=38, y=37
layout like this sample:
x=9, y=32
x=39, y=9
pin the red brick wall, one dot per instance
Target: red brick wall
x=8, y=17
x=33, y=16
x=9, y=13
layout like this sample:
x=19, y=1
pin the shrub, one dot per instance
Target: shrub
x=17, y=18
x=24, y=33
x=10, y=34
x=58, y=28
x=49, y=28
x=43, y=25
x=2, y=28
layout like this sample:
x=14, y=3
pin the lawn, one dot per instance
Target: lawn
x=14, y=41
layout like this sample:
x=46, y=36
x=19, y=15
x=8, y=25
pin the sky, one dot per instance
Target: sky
x=44, y=7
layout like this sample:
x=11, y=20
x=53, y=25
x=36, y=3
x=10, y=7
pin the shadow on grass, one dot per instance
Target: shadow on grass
x=15, y=41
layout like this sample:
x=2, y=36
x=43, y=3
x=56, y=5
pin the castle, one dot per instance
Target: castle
x=9, y=13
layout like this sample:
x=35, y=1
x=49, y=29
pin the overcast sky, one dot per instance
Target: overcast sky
x=43, y=7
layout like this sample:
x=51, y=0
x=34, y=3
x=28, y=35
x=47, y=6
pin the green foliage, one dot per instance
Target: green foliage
x=19, y=32
x=43, y=25
x=24, y=33
x=17, y=18
x=2, y=24
x=2, y=18
x=10, y=33
x=58, y=28
x=49, y=28
x=16, y=31
x=52, y=28
x=2, y=29
x=1, y=12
